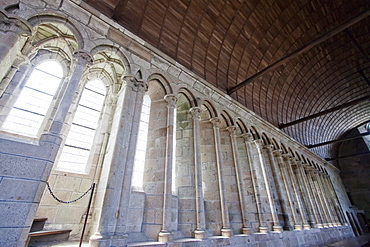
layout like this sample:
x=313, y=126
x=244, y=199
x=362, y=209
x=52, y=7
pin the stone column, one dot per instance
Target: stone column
x=252, y=166
x=284, y=189
x=331, y=198
x=308, y=194
x=246, y=229
x=225, y=231
x=275, y=225
x=199, y=197
x=320, y=219
x=165, y=235
x=319, y=200
x=325, y=198
x=82, y=60
x=12, y=28
x=339, y=211
x=114, y=213
x=298, y=197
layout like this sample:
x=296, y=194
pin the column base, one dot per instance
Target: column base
x=319, y=225
x=98, y=240
x=277, y=229
x=164, y=237
x=298, y=227
x=263, y=229
x=325, y=225
x=330, y=224
x=199, y=234
x=226, y=232
x=246, y=230
x=306, y=227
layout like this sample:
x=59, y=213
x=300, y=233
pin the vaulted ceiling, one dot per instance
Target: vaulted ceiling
x=283, y=59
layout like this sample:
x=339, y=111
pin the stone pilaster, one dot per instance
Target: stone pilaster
x=246, y=229
x=199, y=197
x=332, y=199
x=325, y=196
x=165, y=235
x=114, y=213
x=82, y=59
x=262, y=228
x=225, y=231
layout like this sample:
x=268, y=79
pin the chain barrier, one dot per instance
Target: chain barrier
x=61, y=201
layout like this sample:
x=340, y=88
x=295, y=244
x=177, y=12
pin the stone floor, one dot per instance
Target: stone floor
x=360, y=241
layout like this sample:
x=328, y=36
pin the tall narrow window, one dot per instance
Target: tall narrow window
x=138, y=174
x=28, y=112
x=76, y=150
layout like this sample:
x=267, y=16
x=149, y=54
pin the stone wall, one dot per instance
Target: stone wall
x=238, y=180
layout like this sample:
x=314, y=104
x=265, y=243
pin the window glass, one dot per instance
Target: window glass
x=76, y=150
x=138, y=174
x=33, y=102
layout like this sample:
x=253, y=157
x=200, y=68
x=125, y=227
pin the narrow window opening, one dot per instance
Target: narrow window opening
x=138, y=173
x=80, y=138
x=28, y=112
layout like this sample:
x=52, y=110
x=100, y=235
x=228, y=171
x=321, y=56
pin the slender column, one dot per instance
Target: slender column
x=325, y=195
x=114, y=213
x=309, y=195
x=320, y=219
x=199, y=197
x=275, y=222
x=164, y=234
x=341, y=216
x=225, y=231
x=302, y=209
x=246, y=229
x=12, y=28
x=298, y=221
x=262, y=228
x=315, y=182
x=82, y=60
x=284, y=189
x=331, y=198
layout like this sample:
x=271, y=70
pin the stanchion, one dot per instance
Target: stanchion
x=87, y=213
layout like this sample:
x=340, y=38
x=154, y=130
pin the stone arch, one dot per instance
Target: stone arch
x=119, y=55
x=241, y=127
x=226, y=118
x=266, y=140
x=254, y=133
x=165, y=83
x=59, y=19
x=208, y=111
x=275, y=144
x=284, y=149
x=191, y=98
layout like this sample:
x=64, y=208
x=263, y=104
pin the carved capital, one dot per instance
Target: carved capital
x=216, y=122
x=195, y=112
x=247, y=137
x=171, y=99
x=231, y=129
x=83, y=58
x=12, y=23
x=135, y=84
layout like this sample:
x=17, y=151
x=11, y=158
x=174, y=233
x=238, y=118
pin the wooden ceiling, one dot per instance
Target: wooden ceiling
x=301, y=57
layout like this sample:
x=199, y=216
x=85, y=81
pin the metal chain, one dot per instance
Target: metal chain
x=57, y=199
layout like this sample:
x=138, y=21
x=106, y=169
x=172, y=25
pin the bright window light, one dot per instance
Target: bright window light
x=27, y=114
x=76, y=150
x=138, y=174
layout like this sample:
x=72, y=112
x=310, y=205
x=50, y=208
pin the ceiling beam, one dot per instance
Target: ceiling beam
x=338, y=140
x=347, y=156
x=364, y=76
x=336, y=108
x=119, y=9
x=303, y=49
x=359, y=47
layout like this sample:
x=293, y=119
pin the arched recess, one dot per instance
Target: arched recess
x=185, y=163
x=275, y=144
x=50, y=42
x=265, y=139
x=254, y=132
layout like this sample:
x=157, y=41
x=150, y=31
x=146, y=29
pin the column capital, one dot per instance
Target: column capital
x=171, y=99
x=269, y=147
x=195, y=112
x=216, y=121
x=135, y=84
x=247, y=137
x=83, y=57
x=277, y=152
x=259, y=143
x=15, y=24
x=231, y=129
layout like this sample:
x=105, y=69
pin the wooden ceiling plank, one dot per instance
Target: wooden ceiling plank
x=303, y=49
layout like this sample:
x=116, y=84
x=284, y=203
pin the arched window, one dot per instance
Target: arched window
x=76, y=149
x=28, y=112
x=138, y=174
